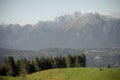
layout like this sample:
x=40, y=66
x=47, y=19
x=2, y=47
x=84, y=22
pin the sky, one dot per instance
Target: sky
x=32, y=11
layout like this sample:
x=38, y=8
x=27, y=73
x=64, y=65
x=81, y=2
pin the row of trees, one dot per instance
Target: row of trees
x=24, y=66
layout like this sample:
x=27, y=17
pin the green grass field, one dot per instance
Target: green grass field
x=71, y=74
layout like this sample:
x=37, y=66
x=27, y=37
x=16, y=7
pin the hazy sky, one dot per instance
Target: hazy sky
x=32, y=11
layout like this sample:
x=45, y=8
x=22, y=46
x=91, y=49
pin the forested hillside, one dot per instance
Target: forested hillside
x=12, y=67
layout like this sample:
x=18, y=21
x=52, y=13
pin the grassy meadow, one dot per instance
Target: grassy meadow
x=71, y=74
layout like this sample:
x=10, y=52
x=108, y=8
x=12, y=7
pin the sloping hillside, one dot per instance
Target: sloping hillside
x=72, y=74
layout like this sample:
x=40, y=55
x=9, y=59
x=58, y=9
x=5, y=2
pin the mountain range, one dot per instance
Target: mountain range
x=88, y=30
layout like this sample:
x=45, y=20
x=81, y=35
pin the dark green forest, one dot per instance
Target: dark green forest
x=12, y=67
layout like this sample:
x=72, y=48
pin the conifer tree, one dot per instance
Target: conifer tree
x=69, y=61
x=24, y=67
x=37, y=64
x=77, y=61
x=83, y=60
x=108, y=65
x=10, y=66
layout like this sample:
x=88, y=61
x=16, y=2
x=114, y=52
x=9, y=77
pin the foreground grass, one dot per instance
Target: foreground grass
x=12, y=78
x=71, y=74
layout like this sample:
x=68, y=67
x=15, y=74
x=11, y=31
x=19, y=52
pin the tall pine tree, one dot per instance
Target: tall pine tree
x=24, y=67
x=37, y=64
x=69, y=61
x=10, y=66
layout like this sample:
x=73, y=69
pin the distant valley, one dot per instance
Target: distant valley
x=99, y=57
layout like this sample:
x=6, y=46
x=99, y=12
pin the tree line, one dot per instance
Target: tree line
x=23, y=66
